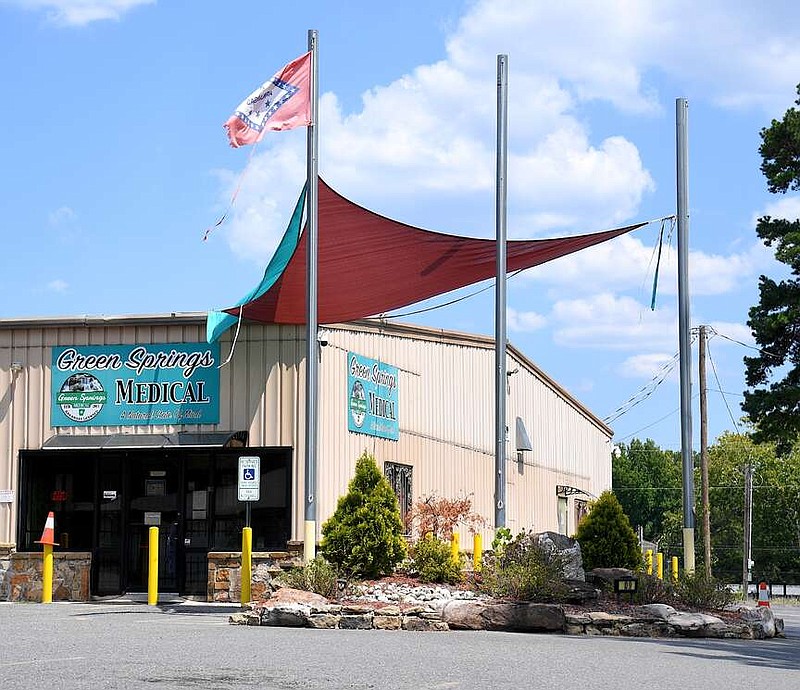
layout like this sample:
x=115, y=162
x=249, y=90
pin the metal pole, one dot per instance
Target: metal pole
x=704, y=452
x=748, y=527
x=312, y=368
x=500, y=295
x=684, y=324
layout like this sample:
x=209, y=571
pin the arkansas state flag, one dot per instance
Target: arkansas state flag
x=283, y=102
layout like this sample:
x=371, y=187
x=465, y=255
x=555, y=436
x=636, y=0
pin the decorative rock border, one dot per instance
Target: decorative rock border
x=291, y=608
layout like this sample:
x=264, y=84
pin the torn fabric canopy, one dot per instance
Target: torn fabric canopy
x=369, y=265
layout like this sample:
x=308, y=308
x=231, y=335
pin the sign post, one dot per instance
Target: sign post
x=249, y=481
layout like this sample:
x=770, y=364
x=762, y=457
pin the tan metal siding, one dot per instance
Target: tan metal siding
x=446, y=411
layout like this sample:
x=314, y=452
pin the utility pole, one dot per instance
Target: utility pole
x=748, y=527
x=704, y=453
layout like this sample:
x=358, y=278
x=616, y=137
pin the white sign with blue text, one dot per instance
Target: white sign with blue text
x=249, y=478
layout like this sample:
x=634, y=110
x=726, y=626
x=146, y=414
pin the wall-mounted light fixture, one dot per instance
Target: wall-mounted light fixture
x=17, y=367
x=523, y=440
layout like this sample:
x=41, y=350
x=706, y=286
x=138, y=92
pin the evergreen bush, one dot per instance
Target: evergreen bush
x=432, y=561
x=364, y=536
x=606, y=537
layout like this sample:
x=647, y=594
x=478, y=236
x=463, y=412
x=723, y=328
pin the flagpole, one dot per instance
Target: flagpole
x=500, y=295
x=312, y=362
x=684, y=325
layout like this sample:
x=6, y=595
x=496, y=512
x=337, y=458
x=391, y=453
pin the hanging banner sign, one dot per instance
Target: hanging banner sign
x=372, y=397
x=121, y=385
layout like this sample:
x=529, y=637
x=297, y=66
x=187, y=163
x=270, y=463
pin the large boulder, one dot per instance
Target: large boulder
x=569, y=549
x=512, y=616
x=604, y=577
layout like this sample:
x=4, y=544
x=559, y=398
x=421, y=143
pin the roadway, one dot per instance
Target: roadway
x=134, y=646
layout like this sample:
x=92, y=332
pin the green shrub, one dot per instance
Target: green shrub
x=651, y=590
x=364, y=537
x=697, y=591
x=315, y=576
x=522, y=569
x=432, y=561
x=606, y=537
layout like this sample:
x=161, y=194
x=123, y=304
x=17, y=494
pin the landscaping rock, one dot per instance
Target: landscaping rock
x=286, y=615
x=762, y=620
x=580, y=592
x=513, y=616
x=380, y=622
x=660, y=611
x=422, y=625
x=604, y=577
x=569, y=549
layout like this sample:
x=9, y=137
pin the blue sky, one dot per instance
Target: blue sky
x=115, y=162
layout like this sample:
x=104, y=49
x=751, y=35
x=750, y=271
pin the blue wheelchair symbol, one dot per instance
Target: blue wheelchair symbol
x=249, y=474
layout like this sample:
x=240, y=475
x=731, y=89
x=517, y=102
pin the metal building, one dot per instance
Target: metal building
x=119, y=423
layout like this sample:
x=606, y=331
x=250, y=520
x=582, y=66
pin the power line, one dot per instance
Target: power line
x=714, y=369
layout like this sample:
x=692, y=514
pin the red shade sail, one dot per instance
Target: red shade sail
x=369, y=264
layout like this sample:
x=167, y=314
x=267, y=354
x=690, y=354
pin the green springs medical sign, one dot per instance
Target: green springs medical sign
x=372, y=398
x=120, y=385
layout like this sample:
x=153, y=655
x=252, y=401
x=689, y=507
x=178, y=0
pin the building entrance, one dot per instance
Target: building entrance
x=154, y=491
x=105, y=502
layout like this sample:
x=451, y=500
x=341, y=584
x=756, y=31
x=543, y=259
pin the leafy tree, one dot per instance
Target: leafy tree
x=776, y=509
x=606, y=537
x=647, y=481
x=773, y=404
x=364, y=536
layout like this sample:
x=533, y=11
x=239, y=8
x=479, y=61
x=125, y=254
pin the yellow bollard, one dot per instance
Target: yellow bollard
x=660, y=565
x=648, y=561
x=674, y=568
x=47, y=575
x=455, y=547
x=247, y=563
x=477, y=552
x=152, y=572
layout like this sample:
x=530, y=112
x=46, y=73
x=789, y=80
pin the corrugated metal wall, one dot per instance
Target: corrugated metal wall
x=258, y=388
x=446, y=416
x=446, y=410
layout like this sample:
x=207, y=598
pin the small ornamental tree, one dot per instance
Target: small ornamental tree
x=606, y=537
x=365, y=535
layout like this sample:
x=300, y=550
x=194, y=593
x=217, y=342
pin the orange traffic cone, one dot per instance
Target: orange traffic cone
x=763, y=594
x=49, y=534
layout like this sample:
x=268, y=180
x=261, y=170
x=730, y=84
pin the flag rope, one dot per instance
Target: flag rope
x=222, y=218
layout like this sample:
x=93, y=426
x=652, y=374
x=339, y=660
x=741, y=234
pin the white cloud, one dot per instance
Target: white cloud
x=604, y=50
x=627, y=263
x=62, y=216
x=79, y=12
x=428, y=137
x=524, y=321
x=727, y=332
x=787, y=207
x=58, y=285
x=609, y=322
x=645, y=366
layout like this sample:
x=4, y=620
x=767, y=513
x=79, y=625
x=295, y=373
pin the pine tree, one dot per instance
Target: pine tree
x=606, y=537
x=364, y=536
x=774, y=408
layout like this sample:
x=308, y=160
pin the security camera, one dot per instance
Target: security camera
x=322, y=340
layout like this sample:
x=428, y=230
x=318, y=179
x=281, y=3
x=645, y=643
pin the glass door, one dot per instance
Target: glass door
x=154, y=483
